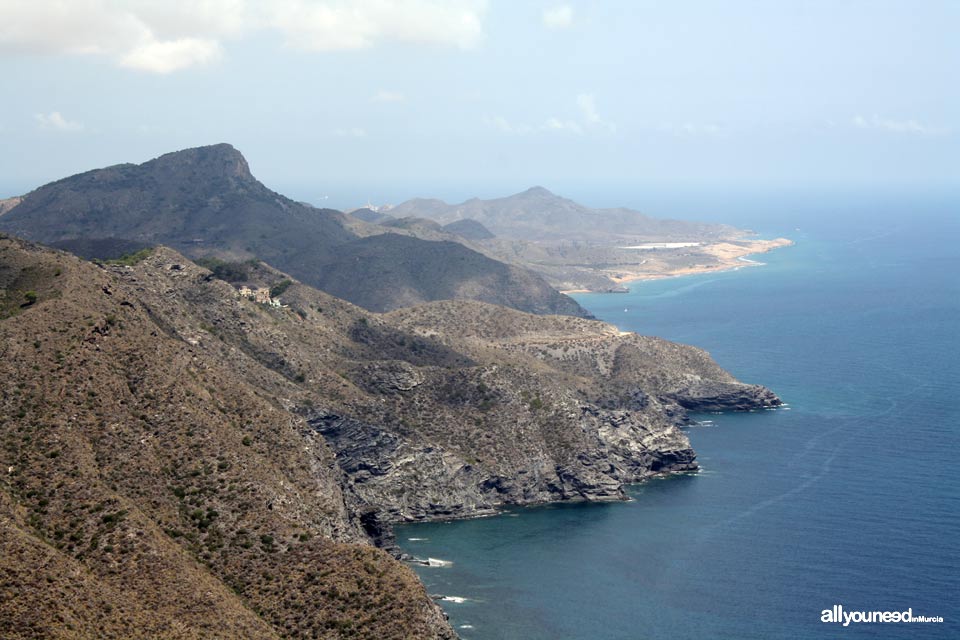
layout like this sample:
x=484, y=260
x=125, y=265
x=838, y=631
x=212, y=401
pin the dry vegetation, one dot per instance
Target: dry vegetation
x=150, y=491
x=178, y=462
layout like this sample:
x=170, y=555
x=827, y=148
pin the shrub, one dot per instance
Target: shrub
x=228, y=271
x=277, y=289
x=130, y=259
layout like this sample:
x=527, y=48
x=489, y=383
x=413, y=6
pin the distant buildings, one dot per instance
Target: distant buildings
x=260, y=295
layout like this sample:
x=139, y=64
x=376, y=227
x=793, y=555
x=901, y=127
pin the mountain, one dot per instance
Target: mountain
x=468, y=229
x=369, y=215
x=205, y=202
x=539, y=215
x=376, y=273
x=179, y=461
x=8, y=203
x=155, y=481
x=574, y=247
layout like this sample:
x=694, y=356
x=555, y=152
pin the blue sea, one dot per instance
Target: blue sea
x=849, y=496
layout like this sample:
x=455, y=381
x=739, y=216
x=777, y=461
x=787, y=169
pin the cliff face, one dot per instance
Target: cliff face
x=151, y=487
x=604, y=405
x=168, y=438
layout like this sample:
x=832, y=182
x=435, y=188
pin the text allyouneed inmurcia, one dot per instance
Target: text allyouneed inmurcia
x=837, y=614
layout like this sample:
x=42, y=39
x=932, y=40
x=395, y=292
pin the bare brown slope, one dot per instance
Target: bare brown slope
x=421, y=429
x=158, y=426
x=607, y=361
x=137, y=466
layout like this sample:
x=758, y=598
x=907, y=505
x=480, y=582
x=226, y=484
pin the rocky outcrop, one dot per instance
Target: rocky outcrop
x=714, y=396
x=455, y=409
x=410, y=481
x=178, y=434
x=153, y=484
x=8, y=203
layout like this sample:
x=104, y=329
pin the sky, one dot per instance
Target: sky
x=340, y=102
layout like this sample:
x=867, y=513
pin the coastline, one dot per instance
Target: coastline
x=729, y=256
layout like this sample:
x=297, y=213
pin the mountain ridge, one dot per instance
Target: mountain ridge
x=579, y=248
x=537, y=214
x=205, y=202
x=220, y=468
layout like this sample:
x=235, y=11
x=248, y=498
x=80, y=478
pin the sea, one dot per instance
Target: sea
x=849, y=495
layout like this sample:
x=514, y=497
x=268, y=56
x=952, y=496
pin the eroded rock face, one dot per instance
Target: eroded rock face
x=410, y=479
x=497, y=437
x=714, y=396
x=390, y=376
x=164, y=490
x=455, y=409
x=242, y=440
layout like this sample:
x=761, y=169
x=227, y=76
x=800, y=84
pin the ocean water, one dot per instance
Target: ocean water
x=849, y=496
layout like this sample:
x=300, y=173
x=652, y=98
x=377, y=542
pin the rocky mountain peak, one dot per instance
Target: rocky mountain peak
x=218, y=160
x=204, y=202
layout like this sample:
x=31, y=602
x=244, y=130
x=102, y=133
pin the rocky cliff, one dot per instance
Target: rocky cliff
x=154, y=486
x=217, y=467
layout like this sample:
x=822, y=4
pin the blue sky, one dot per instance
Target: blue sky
x=388, y=99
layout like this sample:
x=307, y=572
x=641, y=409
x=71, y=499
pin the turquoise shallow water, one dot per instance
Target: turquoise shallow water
x=848, y=497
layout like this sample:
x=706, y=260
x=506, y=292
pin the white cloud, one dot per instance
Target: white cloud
x=350, y=132
x=152, y=36
x=172, y=55
x=385, y=95
x=172, y=19
x=54, y=121
x=170, y=35
x=909, y=127
x=558, y=17
x=79, y=27
x=339, y=25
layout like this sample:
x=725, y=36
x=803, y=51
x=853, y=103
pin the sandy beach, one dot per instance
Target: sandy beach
x=727, y=254
x=722, y=256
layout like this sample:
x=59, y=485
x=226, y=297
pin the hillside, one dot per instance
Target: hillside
x=182, y=462
x=376, y=273
x=205, y=202
x=369, y=215
x=153, y=488
x=7, y=204
x=539, y=215
x=468, y=229
x=578, y=248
